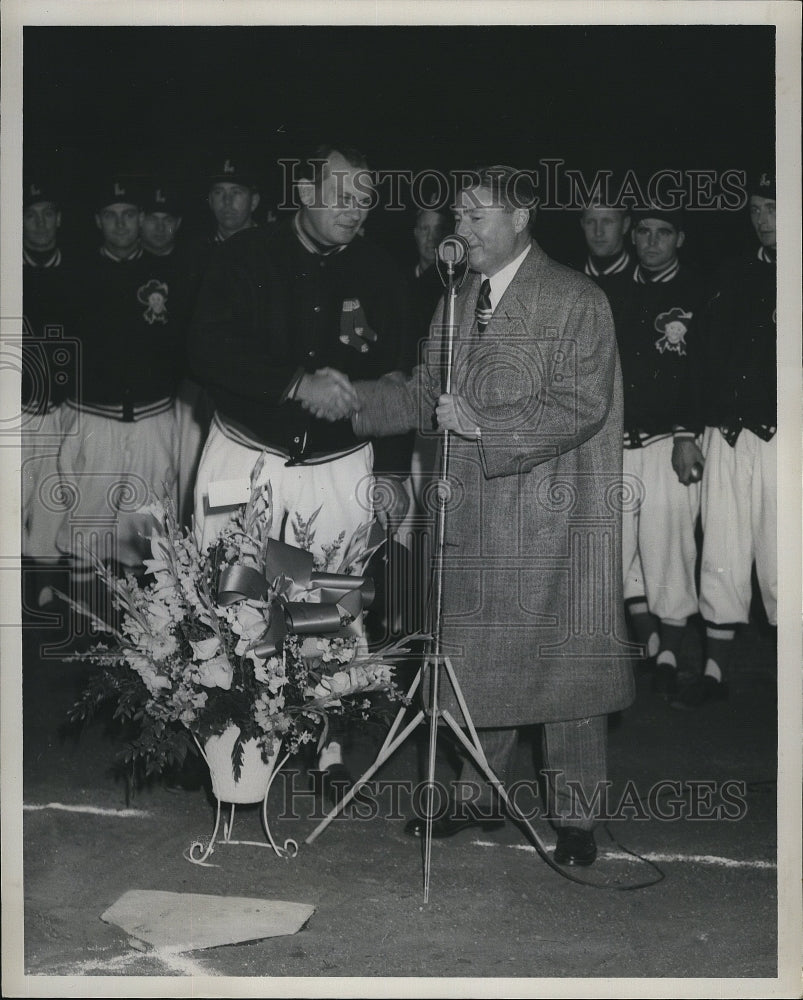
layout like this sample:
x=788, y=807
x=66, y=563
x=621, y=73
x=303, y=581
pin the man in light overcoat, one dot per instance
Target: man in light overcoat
x=533, y=619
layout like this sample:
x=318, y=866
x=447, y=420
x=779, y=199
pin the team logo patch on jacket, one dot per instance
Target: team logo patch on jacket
x=354, y=329
x=154, y=296
x=674, y=325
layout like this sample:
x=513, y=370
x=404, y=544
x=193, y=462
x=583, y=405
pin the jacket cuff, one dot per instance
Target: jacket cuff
x=295, y=381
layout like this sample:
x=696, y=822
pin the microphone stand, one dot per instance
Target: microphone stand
x=449, y=255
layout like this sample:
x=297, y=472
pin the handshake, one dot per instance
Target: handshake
x=328, y=394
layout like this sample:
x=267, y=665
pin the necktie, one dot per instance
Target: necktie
x=483, y=311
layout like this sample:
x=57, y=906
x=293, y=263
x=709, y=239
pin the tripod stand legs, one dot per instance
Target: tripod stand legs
x=471, y=744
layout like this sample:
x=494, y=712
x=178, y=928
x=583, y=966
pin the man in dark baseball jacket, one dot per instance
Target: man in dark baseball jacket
x=49, y=371
x=608, y=262
x=655, y=329
x=287, y=316
x=119, y=450
x=737, y=386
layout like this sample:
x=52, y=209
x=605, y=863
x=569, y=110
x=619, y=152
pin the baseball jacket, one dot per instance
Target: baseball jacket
x=130, y=320
x=656, y=328
x=272, y=307
x=737, y=374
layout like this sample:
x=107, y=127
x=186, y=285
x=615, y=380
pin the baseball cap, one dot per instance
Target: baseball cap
x=161, y=196
x=36, y=189
x=673, y=216
x=233, y=169
x=762, y=182
x=118, y=190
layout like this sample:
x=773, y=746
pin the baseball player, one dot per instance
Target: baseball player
x=120, y=447
x=48, y=371
x=287, y=316
x=159, y=225
x=608, y=261
x=233, y=197
x=160, y=219
x=737, y=377
x=656, y=326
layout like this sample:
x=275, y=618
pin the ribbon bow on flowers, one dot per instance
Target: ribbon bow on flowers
x=284, y=609
x=342, y=596
x=323, y=631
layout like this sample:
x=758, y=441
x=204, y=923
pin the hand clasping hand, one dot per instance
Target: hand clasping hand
x=328, y=394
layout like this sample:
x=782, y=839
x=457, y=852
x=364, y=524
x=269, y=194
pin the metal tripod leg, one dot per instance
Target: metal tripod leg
x=474, y=748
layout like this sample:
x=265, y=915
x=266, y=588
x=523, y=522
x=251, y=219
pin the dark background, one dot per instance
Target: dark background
x=168, y=100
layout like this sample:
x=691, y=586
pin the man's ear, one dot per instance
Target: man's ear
x=97, y=221
x=178, y=223
x=254, y=201
x=681, y=238
x=521, y=218
x=626, y=225
x=306, y=192
x=58, y=220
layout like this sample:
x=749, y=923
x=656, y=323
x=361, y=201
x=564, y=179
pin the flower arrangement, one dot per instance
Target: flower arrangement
x=189, y=656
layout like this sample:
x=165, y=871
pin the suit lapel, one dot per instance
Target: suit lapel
x=520, y=299
x=464, y=307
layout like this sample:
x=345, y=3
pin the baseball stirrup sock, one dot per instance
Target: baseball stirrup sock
x=645, y=625
x=672, y=632
x=719, y=650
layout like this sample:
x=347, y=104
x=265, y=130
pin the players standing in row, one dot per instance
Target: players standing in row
x=691, y=361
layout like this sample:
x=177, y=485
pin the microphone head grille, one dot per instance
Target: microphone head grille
x=453, y=249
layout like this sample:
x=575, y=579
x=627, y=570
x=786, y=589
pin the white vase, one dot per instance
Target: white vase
x=255, y=774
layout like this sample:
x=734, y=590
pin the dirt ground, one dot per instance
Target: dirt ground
x=496, y=910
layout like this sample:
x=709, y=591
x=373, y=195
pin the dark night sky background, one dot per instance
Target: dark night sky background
x=144, y=99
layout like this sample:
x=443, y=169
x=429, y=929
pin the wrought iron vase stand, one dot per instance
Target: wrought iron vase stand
x=198, y=854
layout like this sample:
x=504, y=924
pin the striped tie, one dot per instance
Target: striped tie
x=483, y=311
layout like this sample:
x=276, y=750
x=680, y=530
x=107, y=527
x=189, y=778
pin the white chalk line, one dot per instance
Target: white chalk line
x=173, y=960
x=90, y=810
x=693, y=859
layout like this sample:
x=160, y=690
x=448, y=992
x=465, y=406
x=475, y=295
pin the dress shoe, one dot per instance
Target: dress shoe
x=575, y=846
x=665, y=680
x=699, y=691
x=454, y=820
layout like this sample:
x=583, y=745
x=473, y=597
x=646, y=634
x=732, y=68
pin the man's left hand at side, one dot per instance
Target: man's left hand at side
x=685, y=455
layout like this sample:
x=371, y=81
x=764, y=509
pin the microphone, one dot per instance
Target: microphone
x=453, y=249
x=452, y=254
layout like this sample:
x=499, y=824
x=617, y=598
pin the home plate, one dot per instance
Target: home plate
x=182, y=921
